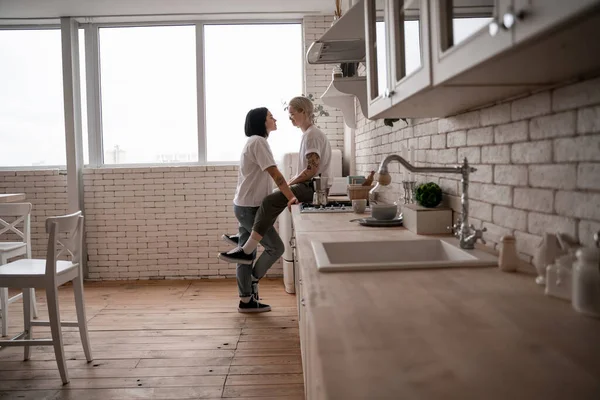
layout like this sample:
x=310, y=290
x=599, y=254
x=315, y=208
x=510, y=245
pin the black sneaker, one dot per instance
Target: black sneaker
x=231, y=239
x=255, y=290
x=253, y=306
x=237, y=256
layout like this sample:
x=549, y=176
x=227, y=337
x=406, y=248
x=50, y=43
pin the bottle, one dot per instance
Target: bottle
x=508, y=259
x=586, y=282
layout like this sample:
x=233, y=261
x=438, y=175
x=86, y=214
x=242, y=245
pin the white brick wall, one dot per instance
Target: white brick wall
x=157, y=223
x=142, y=223
x=317, y=79
x=47, y=191
x=538, y=161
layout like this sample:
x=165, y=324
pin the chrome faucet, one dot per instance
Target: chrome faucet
x=467, y=234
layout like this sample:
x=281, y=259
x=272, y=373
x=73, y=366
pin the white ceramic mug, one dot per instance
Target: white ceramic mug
x=359, y=206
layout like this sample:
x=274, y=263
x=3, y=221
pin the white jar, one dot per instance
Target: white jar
x=559, y=278
x=586, y=282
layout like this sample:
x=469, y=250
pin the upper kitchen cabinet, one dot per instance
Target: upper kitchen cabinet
x=398, y=61
x=461, y=34
x=520, y=45
x=377, y=56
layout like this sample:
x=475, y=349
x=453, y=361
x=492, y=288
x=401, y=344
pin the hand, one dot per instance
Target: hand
x=293, y=200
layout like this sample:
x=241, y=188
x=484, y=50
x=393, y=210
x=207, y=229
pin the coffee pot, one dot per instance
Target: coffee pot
x=320, y=188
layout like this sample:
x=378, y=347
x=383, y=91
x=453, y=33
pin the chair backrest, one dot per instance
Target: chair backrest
x=11, y=216
x=65, y=234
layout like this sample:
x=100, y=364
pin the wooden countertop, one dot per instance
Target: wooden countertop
x=439, y=334
x=10, y=197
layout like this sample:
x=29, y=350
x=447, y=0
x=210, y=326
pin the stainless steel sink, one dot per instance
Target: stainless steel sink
x=398, y=254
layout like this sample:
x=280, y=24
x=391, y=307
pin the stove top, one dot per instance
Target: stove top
x=331, y=207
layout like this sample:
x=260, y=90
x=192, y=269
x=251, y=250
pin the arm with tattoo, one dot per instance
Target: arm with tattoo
x=281, y=183
x=312, y=167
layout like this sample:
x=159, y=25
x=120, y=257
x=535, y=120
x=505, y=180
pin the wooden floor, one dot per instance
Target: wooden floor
x=164, y=340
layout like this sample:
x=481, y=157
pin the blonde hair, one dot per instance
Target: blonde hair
x=303, y=104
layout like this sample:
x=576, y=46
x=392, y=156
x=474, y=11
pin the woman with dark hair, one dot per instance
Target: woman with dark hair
x=257, y=168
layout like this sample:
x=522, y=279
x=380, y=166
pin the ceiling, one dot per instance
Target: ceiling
x=34, y=9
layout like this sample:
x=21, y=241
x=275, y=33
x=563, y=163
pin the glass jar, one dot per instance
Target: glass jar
x=586, y=282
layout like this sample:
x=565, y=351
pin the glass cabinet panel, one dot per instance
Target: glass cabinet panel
x=377, y=53
x=462, y=19
x=380, y=44
x=407, y=33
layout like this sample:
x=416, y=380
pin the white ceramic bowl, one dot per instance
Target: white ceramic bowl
x=384, y=211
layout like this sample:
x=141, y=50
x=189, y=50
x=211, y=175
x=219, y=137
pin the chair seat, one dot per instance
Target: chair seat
x=31, y=267
x=10, y=246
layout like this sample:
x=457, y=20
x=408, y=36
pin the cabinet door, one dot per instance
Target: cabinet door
x=409, y=39
x=461, y=36
x=533, y=17
x=377, y=52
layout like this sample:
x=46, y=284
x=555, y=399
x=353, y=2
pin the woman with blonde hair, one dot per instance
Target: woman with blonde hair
x=314, y=158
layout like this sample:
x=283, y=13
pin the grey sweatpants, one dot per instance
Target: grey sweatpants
x=276, y=202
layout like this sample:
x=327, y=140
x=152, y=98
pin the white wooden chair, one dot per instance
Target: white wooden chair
x=65, y=234
x=18, y=213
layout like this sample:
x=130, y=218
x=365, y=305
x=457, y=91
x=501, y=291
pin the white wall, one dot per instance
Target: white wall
x=537, y=160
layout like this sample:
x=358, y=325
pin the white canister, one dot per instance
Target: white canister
x=559, y=279
x=586, y=282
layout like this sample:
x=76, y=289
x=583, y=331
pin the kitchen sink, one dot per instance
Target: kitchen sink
x=334, y=256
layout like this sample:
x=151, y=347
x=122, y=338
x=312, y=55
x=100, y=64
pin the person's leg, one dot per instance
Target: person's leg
x=275, y=203
x=271, y=207
x=243, y=272
x=248, y=302
x=273, y=249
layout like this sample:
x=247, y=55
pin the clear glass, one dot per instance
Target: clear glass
x=250, y=66
x=148, y=83
x=408, y=48
x=82, y=81
x=381, y=47
x=31, y=99
x=468, y=20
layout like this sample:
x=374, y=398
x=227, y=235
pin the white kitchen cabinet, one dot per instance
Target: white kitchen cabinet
x=461, y=36
x=409, y=50
x=484, y=51
x=397, y=52
x=532, y=17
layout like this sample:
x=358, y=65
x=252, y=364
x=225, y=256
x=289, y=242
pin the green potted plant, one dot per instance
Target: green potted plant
x=428, y=194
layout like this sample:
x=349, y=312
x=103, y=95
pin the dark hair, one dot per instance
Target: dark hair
x=255, y=122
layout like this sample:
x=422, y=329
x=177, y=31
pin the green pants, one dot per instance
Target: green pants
x=276, y=202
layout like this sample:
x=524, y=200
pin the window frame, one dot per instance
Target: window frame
x=94, y=93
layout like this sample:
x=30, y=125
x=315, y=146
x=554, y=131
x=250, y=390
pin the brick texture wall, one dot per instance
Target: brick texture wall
x=318, y=78
x=537, y=160
x=156, y=223
x=46, y=190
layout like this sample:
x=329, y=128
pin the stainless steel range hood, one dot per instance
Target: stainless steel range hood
x=343, y=42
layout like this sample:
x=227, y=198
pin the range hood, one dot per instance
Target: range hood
x=343, y=42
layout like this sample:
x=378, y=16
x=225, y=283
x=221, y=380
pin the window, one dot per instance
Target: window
x=148, y=85
x=249, y=66
x=31, y=98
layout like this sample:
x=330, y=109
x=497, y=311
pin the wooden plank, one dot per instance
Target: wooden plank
x=163, y=340
x=263, y=390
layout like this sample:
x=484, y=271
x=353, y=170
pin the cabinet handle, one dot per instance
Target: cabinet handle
x=387, y=93
x=302, y=302
x=508, y=21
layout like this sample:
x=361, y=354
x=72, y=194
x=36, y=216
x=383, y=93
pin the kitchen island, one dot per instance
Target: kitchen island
x=455, y=333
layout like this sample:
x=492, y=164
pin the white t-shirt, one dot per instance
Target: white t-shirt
x=254, y=182
x=315, y=141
